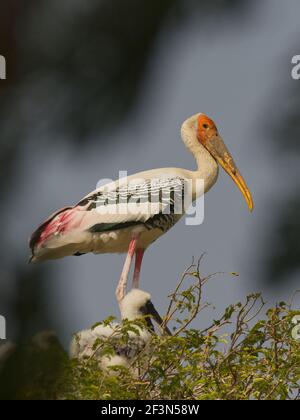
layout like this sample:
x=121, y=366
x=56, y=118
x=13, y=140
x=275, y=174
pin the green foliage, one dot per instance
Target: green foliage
x=248, y=353
x=239, y=356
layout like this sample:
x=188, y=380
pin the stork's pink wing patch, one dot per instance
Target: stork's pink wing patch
x=48, y=227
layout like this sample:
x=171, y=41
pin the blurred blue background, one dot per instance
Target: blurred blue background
x=101, y=86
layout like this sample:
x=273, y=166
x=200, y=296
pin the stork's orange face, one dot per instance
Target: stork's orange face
x=208, y=136
x=206, y=129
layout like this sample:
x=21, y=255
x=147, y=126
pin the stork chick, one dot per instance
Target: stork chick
x=135, y=305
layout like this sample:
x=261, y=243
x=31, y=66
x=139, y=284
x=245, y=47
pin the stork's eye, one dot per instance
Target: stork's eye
x=205, y=125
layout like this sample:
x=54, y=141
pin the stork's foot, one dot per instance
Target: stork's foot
x=120, y=291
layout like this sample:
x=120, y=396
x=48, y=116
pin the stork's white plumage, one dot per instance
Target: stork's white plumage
x=99, y=224
x=133, y=306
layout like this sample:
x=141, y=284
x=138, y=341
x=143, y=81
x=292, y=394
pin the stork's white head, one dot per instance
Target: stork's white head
x=205, y=133
x=133, y=302
x=137, y=304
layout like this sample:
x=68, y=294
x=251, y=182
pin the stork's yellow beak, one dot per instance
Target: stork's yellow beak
x=209, y=137
x=219, y=151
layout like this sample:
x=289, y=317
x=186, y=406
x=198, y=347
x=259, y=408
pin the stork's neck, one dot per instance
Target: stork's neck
x=207, y=167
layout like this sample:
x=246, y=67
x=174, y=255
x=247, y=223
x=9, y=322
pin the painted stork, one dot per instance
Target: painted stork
x=133, y=306
x=99, y=223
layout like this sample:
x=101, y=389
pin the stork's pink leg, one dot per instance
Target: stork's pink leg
x=121, y=288
x=137, y=269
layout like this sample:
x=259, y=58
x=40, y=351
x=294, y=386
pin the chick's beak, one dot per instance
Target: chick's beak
x=151, y=311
